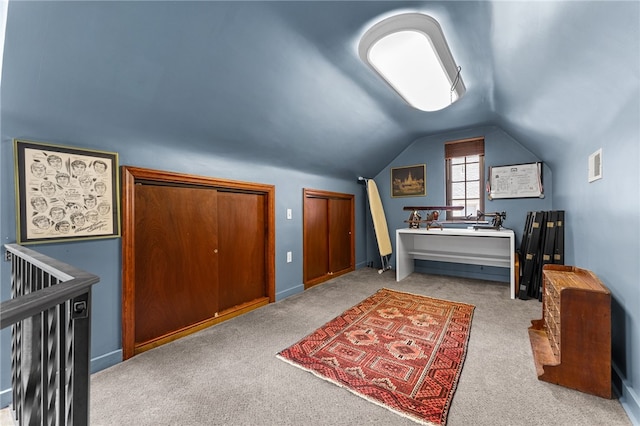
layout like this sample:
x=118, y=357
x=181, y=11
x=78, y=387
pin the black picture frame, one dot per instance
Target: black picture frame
x=65, y=193
x=409, y=181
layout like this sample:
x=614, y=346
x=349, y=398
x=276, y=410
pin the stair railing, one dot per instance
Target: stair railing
x=50, y=317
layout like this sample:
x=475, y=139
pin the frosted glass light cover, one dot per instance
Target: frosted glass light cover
x=407, y=60
x=410, y=53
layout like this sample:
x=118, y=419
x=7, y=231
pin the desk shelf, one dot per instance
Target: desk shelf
x=468, y=258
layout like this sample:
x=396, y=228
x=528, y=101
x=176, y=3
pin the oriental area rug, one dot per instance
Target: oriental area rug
x=401, y=351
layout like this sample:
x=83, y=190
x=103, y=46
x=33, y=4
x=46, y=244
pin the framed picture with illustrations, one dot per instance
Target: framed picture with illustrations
x=65, y=193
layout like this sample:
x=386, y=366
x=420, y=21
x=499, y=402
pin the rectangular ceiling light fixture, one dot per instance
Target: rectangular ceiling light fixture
x=410, y=53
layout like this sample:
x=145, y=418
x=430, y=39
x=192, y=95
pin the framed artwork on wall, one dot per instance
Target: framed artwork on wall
x=65, y=193
x=515, y=181
x=409, y=181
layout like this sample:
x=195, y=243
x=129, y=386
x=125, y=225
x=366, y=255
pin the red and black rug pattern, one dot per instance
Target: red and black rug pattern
x=402, y=351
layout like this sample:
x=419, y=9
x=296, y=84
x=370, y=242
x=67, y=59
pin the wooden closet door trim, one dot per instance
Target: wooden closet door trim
x=132, y=174
x=317, y=193
x=128, y=264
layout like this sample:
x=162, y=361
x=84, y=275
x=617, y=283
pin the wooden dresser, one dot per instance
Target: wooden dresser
x=572, y=342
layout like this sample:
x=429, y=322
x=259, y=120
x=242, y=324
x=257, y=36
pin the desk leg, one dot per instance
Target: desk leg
x=404, y=261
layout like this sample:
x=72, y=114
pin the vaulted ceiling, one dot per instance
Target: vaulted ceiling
x=281, y=82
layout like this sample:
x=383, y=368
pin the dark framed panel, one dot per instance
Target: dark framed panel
x=65, y=193
x=409, y=181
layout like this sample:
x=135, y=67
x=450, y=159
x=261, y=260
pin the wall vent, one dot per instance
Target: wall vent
x=595, y=165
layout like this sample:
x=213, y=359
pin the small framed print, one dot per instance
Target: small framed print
x=65, y=193
x=409, y=181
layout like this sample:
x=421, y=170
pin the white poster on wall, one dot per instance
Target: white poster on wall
x=515, y=181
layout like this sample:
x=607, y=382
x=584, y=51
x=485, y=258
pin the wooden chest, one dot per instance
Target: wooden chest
x=572, y=342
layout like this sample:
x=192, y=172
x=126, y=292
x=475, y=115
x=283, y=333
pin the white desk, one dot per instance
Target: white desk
x=487, y=247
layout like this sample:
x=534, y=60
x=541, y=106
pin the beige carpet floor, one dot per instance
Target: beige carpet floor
x=228, y=374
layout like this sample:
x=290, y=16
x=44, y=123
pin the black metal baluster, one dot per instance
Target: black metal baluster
x=49, y=387
x=80, y=314
x=50, y=339
x=16, y=279
x=62, y=363
x=69, y=365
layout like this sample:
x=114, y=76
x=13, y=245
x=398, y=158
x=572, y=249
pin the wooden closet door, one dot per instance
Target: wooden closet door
x=316, y=243
x=328, y=235
x=176, y=272
x=340, y=235
x=242, y=238
x=173, y=262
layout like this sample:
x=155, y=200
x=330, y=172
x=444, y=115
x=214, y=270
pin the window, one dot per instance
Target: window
x=410, y=53
x=464, y=165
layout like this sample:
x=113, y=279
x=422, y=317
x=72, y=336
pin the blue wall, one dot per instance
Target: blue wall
x=602, y=220
x=103, y=257
x=132, y=76
x=500, y=149
x=603, y=234
x=602, y=229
